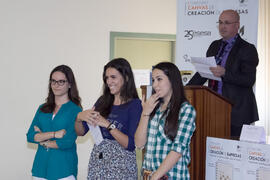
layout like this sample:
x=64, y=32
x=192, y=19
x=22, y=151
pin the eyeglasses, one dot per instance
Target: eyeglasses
x=59, y=82
x=226, y=23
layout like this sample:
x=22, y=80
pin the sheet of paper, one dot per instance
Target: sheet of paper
x=252, y=133
x=96, y=133
x=203, y=64
x=142, y=77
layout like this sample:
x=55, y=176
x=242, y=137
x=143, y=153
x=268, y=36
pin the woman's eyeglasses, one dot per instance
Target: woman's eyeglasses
x=59, y=82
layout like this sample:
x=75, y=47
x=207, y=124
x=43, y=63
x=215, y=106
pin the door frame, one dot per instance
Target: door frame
x=142, y=36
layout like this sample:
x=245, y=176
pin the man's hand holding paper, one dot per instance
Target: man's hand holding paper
x=218, y=71
x=207, y=67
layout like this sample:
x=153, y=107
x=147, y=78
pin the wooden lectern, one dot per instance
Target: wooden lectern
x=213, y=118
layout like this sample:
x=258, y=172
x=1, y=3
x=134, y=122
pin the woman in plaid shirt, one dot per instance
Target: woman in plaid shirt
x=166, y=126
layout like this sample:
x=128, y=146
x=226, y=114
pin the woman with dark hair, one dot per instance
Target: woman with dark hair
x=166, y=126
x=117, y=113
x=53, y=129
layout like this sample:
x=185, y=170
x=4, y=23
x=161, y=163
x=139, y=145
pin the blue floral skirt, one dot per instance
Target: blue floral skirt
x=109, y=160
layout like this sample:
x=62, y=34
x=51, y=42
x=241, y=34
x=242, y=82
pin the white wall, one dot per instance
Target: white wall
x=37, y=35
x=263, y=70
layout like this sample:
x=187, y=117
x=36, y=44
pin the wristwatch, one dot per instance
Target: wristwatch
x=111, y=127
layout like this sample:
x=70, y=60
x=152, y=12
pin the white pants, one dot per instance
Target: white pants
x=71, y=177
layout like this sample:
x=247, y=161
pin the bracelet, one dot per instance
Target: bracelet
x=146, y=114
x=151, y=174
x=109, y=125
x=44, y=144
x=139, y=148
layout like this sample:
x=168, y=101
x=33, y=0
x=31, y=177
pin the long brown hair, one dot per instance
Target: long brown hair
x=128, y=90
x=73, y=93
x=177, y=98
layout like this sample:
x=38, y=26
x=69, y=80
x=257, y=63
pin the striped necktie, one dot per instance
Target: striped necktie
x=218, y=57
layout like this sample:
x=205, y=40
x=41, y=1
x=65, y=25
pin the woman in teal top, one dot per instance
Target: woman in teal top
x=53, y=129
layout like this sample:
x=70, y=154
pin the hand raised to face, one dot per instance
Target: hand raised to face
x=150, y=104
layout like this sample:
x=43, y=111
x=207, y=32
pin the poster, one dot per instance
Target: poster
x=236, y=160
x=197, y=26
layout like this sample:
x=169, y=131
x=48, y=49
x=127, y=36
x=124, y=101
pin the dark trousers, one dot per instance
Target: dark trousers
x=235, y=132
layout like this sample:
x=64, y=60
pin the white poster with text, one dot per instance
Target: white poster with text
x=197, y=26
x=235, y=160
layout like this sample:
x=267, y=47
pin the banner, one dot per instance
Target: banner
x=236, y=160
x=197, y=26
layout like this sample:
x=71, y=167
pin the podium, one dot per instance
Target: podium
x=213, y=118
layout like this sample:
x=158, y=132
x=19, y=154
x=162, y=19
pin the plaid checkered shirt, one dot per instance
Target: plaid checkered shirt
x=159, y=145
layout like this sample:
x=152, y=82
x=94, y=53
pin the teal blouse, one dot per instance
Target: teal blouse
x=58, y=163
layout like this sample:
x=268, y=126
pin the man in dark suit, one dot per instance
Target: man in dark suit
x=236, y=65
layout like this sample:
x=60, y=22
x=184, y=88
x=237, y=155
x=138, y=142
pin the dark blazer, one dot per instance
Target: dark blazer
x=239, y=78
